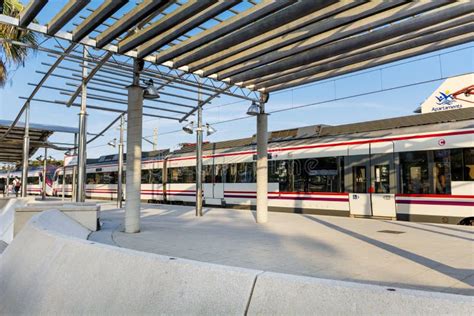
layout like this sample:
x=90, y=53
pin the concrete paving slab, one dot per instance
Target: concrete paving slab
x=423, y=256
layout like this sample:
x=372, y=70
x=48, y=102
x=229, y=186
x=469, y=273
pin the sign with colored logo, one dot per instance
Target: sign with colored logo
x=454, y=93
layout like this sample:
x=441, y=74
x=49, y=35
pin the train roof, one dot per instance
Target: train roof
x=316, y=133
x=327, y=131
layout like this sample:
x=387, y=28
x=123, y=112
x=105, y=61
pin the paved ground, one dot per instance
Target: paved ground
x=422, y=256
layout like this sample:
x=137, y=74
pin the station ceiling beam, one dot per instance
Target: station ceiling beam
x=272, y=25
x=28, y=14
x=260, y=10
x=138, y=14
x=346, y=45
x=173, y=33
x=323, y=56
x=239, y=41
x=349, y=23
x=69, y=11
x=417, y=50
x=163, y=24
x=99, y=15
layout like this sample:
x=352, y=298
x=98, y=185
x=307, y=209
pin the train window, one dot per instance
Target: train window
x=322, y=174
x=382, y=179
x=91, y=178
x=156, y=176
x=146, y=176
x=182, y=175
x=359, y=179
x=414, y=172
x=441, y=172
x=108, y=178
x=218, y=173
x=33, y=180
x=207, y=174
x=462, y=164
x=68, y=179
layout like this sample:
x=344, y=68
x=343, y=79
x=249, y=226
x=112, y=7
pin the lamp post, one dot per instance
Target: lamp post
x=258, y=110
x=199, y=128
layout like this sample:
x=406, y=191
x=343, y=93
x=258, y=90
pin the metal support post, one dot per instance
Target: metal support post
x=82, y=154
x=120, y=164
x=134, y=152
x=74, y=171
x=262, y=166
x=199, y=162
x=26, y=152
x=43, y=187
x=64, y=183
x=7, y=185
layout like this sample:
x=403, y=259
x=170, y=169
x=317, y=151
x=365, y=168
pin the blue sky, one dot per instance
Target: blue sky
x=228, y=114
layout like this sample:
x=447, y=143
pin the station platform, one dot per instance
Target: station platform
x=408, y=255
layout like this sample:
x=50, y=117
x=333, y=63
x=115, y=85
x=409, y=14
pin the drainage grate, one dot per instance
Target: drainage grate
x=390, y=231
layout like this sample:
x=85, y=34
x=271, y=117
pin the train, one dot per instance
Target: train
x=413, y=168
x=35, y=180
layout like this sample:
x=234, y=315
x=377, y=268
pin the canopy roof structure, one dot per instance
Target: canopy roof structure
x=261, y=45
x=11, y=148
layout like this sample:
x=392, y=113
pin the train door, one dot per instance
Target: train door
x=383, y=180
x=370, y=180
x=357, y=175
x=360, y=202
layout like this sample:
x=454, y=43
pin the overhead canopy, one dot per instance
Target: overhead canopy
x=261, y=45
x=11, y=148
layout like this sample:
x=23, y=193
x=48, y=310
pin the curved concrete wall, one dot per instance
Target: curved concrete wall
x=50, y=268
x=46, y=272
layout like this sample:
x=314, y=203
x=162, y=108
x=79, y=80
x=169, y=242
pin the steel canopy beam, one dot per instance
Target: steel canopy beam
x=262, y=9
x=272, y=25
x=100, y=108
x=374, y=54
x=65, y=15
x=286, y=28
x=89, y=76
x=180, y=29
x=163, y=24
x=352, y=43
x=99, y=15
x=360, y=19
x=29, y=13
x=458, y=40
x=273, y=78
x=130, y=19
x=37, y=88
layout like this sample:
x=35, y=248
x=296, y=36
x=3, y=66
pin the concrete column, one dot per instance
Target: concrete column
x=134, y=154
x=120, y=164
x=45, y=163
x=262, y=166
x=26, y=152
x=82, y=154
x=199, y=163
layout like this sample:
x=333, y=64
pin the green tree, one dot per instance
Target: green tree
x=12, y=55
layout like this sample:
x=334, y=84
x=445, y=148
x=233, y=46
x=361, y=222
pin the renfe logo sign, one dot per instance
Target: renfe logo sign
x=454, y=93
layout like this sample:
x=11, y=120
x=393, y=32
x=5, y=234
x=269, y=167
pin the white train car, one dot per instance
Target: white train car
x=35, y=181
x=418, y=168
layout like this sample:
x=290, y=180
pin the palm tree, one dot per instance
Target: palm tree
x=10, y=54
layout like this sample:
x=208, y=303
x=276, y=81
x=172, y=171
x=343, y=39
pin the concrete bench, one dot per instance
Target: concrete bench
x=87, y=214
